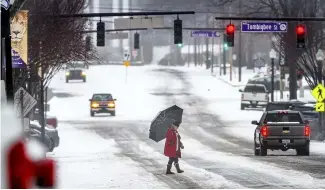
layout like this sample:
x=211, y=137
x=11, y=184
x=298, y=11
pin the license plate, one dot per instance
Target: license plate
x=253, y=102
x=286, y=141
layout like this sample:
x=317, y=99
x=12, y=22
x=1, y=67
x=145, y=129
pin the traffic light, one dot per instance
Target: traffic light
x=300, y=74
x=225, y=43
x=100, y=34
x=178, y=32
x=136, y=40
x=230, y=31
x=88, y=43
x=301, y=34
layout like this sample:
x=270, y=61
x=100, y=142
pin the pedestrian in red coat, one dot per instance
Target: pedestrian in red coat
x=173, y=146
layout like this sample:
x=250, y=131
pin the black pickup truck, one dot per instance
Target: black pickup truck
x=281, y=130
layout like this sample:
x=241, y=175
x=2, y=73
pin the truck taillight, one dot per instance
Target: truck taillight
x=52, y=121
x=267, y=97
x=264, y=131
x=20, y=168
x=242, y=96
x=307, y=130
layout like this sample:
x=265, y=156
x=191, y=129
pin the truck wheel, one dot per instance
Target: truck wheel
x=92, y=114
x=242, y=106
x=84, y=80
x=303, y=151
x=256, y=151
x=113, y=113
x=263, y=151
x=67, y=80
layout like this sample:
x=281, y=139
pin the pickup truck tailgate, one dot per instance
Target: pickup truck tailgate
x=286, y=129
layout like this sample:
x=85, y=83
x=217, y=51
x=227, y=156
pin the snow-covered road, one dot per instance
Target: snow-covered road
x=115, y=152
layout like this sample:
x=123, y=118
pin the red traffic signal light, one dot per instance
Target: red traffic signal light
x=300, y=30
x=230, y=29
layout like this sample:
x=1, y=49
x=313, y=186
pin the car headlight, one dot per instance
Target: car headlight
x=94, y=105
x=111, y=105
x=67, y=73
x=83, y=74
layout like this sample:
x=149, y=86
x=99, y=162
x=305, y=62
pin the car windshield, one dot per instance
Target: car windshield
x=283, y=117
x=256, y=89
x=102, y=97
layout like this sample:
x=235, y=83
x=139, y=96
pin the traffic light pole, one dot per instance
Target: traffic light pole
x=230, y=63
x=6, y=60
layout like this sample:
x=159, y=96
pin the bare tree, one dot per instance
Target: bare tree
x=286, y=42
x=55, y=41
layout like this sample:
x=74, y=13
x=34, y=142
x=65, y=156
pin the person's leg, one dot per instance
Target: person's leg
x=177, y=166
x=169, y=166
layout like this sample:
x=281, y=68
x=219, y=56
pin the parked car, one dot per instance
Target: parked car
x=49, y=120
x=266, y=81
x=36, y=134
x=254, y=95
x=50, y=131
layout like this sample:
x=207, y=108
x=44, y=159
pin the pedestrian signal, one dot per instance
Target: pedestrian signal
x=100, y=34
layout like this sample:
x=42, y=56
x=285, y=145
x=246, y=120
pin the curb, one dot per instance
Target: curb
x=226, y=82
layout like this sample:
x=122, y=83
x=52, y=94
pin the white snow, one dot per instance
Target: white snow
x=128, y=88
x=95, y=162
x=85, y=160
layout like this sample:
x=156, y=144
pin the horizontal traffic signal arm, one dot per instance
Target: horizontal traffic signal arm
x=273, y=19
x=164, y=28
x=156, y=13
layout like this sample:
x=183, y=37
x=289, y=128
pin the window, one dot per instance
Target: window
x=102, y=97
x=255, y=89
x=283, y=117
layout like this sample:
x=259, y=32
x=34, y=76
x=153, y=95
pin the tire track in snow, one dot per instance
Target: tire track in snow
x=307, y=164
x=125, y=143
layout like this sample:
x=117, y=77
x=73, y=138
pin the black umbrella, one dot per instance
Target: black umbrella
x=159, y=125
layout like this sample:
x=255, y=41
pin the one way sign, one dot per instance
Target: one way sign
x=28, y=102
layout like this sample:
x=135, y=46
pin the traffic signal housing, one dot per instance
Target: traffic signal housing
x=301, y=35
x=136, y=40
x=100, y=34
x=88, y=43
x=230, y=32
x=178, y=32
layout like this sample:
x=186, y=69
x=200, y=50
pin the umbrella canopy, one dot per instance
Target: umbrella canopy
x=160, y=124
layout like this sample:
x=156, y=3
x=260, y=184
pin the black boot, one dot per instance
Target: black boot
x=178, y=169
x=169, y=167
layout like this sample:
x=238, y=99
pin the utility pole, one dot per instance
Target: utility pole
x=6, y=60
x=240, y=47
x=230, y=63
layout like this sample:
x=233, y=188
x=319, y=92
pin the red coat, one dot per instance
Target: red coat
x=172, y=144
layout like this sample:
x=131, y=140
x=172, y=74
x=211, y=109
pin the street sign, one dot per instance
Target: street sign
x=284, y=70
x=126, y=57
x=117, y=35
x=139, y=22
x=264, y=26
x=205, y=33
x=319, y=93
x=5, y=4
x=320, y=107
x=134, y=53
x=126, y=63
x=28, y=102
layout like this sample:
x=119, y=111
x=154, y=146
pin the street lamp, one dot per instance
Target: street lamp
x=272, y=55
